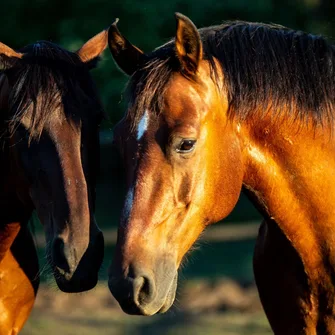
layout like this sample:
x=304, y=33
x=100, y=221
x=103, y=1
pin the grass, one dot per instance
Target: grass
x=229, y=323
x=97, y=313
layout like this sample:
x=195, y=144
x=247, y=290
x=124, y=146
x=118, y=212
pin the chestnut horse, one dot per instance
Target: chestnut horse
x=50, y=115
x=214, y=111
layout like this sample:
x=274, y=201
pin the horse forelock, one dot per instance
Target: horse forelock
x=49, y=78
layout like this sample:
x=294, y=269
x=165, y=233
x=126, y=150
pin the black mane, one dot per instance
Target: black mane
x=48, y=77
x=265, y=67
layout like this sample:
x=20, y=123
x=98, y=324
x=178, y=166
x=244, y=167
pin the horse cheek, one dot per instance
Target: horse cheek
x=227, y=183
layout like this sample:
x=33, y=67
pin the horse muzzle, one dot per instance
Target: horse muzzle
x=143, y=292
x=76, y=269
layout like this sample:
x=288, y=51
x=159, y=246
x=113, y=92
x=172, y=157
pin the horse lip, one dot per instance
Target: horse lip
x=60, y=271
x=66, y=275
x=68, y=284
x=170, y=297
x=169, y=300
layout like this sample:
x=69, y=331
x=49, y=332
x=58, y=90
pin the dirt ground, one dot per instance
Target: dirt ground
x=202, y=307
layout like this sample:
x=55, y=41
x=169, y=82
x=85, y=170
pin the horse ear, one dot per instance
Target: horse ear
x=188, y=45
x=126, y=55
x=94, y=47
x=8, y=56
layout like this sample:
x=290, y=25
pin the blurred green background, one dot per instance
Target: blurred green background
x=149, y=23
x=146, y=23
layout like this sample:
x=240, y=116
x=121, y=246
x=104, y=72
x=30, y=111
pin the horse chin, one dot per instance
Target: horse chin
x=75, y=285
x=170, y=297
x=73, y=274
x=169, y=300
x=83, y=278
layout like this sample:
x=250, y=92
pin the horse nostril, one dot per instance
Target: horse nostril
x=143, y=290
x=58, y=255
x=135, y=292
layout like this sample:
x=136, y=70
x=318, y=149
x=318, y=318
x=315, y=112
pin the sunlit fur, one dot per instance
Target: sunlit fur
x=260, y=104
x=269, y=67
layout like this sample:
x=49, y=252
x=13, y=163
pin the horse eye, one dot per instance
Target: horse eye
x=186, y=146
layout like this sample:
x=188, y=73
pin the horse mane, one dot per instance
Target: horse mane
x=266, y=67
x=46, y=79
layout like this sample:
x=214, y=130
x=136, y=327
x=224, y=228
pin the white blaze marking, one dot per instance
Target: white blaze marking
x=128, y=203
x=257, y=155
x=142, y=126
x=288, y=140
x=238, y=127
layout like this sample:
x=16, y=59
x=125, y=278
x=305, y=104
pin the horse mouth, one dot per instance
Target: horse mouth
x=76, y=285
x=75, y=282
x=83, y=278
x=156, y=306
x=170, y=296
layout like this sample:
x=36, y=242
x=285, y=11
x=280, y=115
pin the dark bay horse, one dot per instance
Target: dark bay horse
x=237, y=106
x=50, y=115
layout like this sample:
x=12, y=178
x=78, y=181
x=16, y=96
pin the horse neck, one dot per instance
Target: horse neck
x=9, y=223
x=8, y=234
x=290, y=173
x=15, y=203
